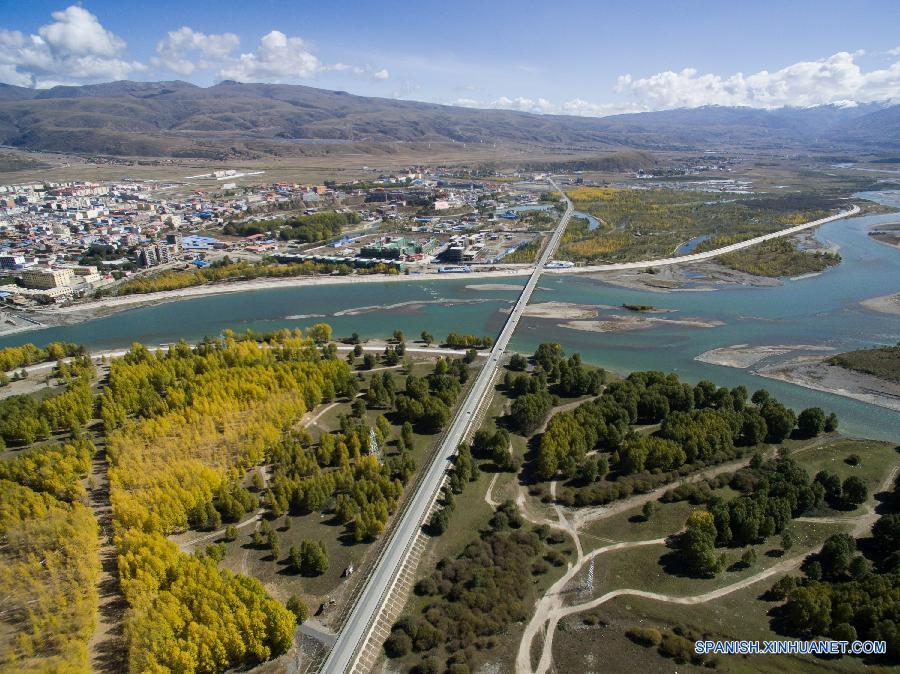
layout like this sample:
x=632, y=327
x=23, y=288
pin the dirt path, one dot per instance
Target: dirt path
x=549, y=609
x=489, y=494
x=188, y=545
x=565, y=407
x=565, y=524
x=559, y=613
x=106, y=648
x=552, y=602
x=571, y=523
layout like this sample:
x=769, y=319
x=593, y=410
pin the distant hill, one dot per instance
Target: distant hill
x=228, y=119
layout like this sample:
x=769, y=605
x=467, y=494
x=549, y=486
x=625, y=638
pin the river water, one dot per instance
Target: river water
x=822, y=310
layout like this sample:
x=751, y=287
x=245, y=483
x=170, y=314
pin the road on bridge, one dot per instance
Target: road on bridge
x=345, y=651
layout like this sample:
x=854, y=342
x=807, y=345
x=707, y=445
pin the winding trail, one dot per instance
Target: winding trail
x=552, y=603
x=553, y=617
x=549, y=610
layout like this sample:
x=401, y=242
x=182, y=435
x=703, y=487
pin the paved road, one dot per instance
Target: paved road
x=346, y=648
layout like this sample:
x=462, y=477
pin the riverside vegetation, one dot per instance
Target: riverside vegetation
x=778, y=257
x=882, y=361
x=622, y=437
x=644, y=223
x=226, y=270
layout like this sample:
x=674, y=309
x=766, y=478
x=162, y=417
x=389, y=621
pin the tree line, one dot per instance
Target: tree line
x=456, y=340
x=698, y=426
x=14, y=357
x=174, y=280
x=771, y=494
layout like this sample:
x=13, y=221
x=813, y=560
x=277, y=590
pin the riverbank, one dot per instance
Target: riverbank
x=814, y=373
x=85, y=311
x=616, y=273
x=886, y=304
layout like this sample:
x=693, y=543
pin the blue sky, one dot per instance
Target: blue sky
x=572, y=57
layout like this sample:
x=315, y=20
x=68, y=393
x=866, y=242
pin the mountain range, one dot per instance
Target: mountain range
x=179, y=119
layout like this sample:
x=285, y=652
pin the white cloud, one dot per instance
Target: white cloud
x=74, y=48
x=836, y=79
x=894, y=52
x=278, y=58
x=382, y=74
x=542, y=106
x=178, y=50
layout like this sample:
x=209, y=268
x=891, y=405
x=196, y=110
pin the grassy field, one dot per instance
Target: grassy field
x=742, y=615
x=882, y=361
x=646, y=567
x=875, y=459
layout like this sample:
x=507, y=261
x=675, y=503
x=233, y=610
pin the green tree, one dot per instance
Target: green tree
x=359, y=408
x=298, y=607
x=886, y=533
x=811, y=422
x=439, y=522
x=529, y=411
x=854, y=491
x=836, y=554
x=406, y=434
x=753, y=427
x=296, y=563
x=809, y=609
x=518, y=362
x=787, y=541
x=831, y=483
x=748, y=557
x=779, y=419
x=313, y=558
x=697, y=544
x=427, y=337
x=398, y=644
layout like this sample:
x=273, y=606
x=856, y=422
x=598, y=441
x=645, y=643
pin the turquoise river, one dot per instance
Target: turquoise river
x=820, y=310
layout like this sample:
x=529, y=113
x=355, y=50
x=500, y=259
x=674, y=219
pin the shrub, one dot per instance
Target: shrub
x=398, y=644
x=299, y=608
x=644, y=636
